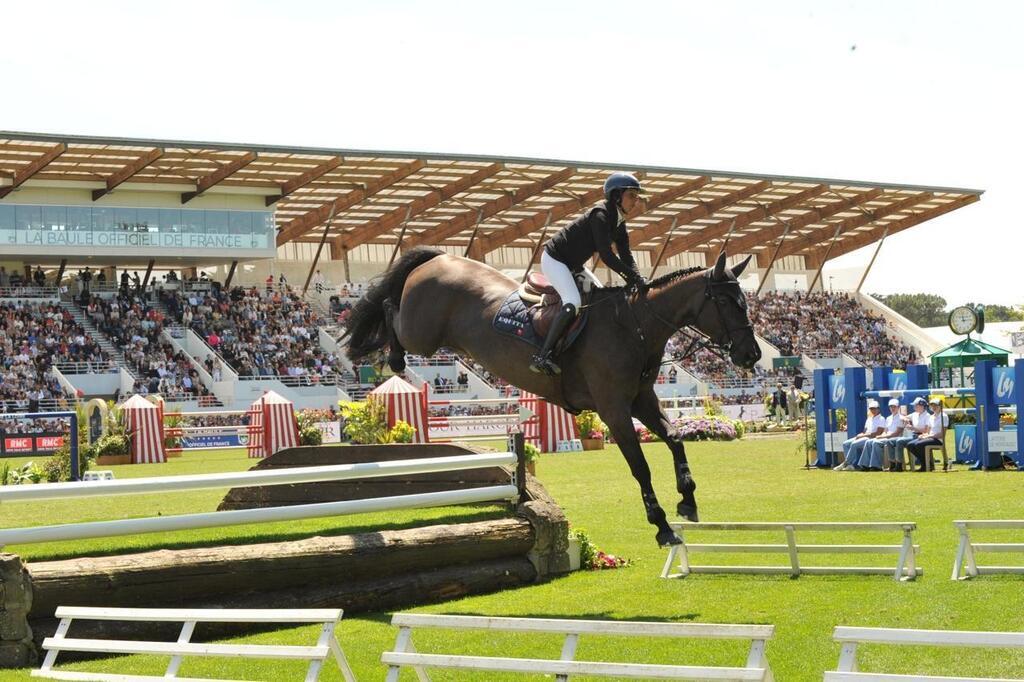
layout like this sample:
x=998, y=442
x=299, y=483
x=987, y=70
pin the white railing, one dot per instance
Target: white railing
x=101, y=367
x=966, y=564
x=30, y=292
x=314, y=656
x=290, y=476
x=405, y=654
x=905, y=569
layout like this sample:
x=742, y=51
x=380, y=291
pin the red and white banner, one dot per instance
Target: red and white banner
x=550, y=424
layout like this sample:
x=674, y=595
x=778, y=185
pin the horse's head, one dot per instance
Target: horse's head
x=723, y=313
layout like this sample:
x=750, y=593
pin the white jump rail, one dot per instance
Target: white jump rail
x=966, y=566
x=906, y=568
x=850, y=637
x=405, y=654
x=326, y=645
x=339, y=472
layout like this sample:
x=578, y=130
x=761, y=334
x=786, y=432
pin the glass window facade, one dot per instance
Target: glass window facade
x=22, y=224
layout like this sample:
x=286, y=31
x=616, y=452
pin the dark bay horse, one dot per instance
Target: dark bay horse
x=428, y=300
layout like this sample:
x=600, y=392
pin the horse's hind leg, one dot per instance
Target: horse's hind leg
x=647, y=408
x=396, y=353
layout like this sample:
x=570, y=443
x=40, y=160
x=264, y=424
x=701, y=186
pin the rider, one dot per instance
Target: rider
x=575, y=244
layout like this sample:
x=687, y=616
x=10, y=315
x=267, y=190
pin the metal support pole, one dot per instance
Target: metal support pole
x=231, y=274
x=319, y=250
x=401, y=236
x=824, y=259
x=476, y=228
x=878, y=248
x=664, y=247
x=775, y=254
x=148, y=271
x=728, y=236
x=537, y=246
x=60, y=271
x=344, y=264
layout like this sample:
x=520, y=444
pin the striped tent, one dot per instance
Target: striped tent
x=145, y=430
x=404, y=403
x=272, y=425
x=550, y=424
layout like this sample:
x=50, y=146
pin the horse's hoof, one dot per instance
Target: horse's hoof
x=667, y=537
x=687, y=511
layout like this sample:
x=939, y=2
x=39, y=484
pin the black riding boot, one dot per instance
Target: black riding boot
x=542, y=362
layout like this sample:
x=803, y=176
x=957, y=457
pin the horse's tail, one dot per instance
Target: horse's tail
x=368, y=326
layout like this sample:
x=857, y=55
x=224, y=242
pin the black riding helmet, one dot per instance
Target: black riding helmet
x=617, y=183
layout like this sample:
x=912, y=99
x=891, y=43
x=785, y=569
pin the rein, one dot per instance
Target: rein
x=698, y=339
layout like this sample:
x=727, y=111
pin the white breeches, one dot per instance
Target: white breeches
x=561, y=278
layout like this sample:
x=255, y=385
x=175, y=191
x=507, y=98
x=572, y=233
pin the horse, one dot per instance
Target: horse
x=428, y=300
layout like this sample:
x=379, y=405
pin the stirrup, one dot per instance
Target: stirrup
x=544, y=365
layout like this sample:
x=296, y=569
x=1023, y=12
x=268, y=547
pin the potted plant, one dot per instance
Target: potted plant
x=532, y=454
x=591, y=430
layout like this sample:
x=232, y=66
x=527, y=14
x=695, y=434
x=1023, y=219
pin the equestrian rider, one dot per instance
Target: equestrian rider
x=568, y=251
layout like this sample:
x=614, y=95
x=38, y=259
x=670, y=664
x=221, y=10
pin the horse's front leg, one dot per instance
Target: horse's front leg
x=647, y=408
x=620, y=423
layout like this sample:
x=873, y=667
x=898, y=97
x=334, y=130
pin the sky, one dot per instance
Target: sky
x=924, y=93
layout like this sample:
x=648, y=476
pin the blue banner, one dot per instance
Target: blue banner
x=1003, y=384
x=898, y=381
x=966, y=436
x=214, y=441
x=837, y=391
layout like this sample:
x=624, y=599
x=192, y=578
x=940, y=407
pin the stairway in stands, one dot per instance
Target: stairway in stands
x=112, y=351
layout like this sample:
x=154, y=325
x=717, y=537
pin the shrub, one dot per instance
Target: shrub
x=401, y=432
x=530, y=452
x=590, y=425
x=309, y=432
x=366, y=423
x=27, y=473
x=58, y=467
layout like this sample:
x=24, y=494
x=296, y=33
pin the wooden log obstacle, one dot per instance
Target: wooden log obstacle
x=906, y=565
x=405, y=654
x=315, y=655
x=851, y=637
x=997, y=390
x=965, y=565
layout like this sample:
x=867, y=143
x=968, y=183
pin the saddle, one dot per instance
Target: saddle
x=530, y=309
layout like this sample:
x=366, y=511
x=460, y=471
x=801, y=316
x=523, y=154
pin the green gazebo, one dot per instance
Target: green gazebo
x=962, y=355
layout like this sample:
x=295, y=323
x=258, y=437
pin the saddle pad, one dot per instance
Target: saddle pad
x=513, y=319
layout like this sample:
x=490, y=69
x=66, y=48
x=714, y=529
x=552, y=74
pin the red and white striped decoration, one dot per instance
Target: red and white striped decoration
x=145, y=430
x=550, y=424
x=272, y=425
x=404, y=403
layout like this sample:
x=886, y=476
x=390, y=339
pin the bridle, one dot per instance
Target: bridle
x=698, y=340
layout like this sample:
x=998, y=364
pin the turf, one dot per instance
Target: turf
x=745, y=480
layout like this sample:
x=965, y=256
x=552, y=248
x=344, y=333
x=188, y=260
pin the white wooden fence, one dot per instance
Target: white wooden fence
x=405, y=654
x=289, y=476
x=850, y=637
x=326, y=645
x=966, y=566
x=906, y=568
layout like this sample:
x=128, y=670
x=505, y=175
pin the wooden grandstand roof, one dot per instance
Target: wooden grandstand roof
x=480, y=203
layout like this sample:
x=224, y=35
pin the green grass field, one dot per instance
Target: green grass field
x=746, y=480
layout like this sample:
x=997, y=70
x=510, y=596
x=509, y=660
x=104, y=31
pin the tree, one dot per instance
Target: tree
x=924, y=310
x=1002, y=313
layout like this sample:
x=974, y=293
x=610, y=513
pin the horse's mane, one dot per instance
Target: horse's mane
x=661, y=281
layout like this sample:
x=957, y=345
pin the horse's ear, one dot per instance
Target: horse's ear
x=737, y=270
x=719, y=271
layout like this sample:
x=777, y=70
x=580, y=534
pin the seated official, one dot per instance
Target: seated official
x=937, y=425
x=894, y=425
x=853, y=448
x=916, y=423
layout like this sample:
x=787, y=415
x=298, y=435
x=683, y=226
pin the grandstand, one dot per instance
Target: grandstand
x=207, y=272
